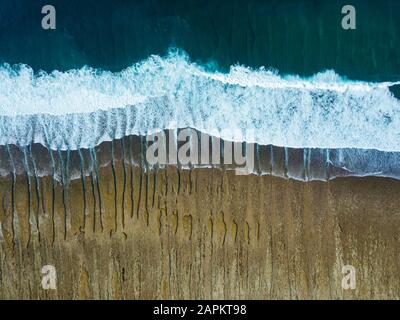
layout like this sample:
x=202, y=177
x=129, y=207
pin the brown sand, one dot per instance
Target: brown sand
x=205, y=233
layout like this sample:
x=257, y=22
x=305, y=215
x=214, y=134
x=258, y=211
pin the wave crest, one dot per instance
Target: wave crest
x=82, y=108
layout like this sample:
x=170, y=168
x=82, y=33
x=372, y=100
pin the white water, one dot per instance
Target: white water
x=82, y=108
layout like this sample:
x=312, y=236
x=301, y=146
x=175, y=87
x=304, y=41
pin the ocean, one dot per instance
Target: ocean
x=273, y=73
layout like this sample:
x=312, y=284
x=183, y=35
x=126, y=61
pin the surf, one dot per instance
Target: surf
x=322, y=111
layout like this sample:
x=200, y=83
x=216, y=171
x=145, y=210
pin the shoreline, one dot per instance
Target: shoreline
x=190, y=149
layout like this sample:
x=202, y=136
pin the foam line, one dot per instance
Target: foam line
x=82, y=108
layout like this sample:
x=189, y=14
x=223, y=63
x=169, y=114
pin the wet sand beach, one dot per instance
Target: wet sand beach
x=124, y=232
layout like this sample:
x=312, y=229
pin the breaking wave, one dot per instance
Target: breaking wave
x=83, y=108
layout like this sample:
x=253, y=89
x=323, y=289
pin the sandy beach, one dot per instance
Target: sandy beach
x=197, y=234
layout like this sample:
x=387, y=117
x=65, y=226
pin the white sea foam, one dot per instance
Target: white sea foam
x=82, y=108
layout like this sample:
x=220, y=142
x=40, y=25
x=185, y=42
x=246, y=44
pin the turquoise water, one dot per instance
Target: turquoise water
x=294, y=36
x=281, y=73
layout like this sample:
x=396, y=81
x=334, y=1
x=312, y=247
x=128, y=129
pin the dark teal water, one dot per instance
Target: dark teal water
x=293, y=36
x=329, y=121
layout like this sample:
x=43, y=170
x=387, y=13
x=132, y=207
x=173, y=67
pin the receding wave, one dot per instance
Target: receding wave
x=83, y=108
